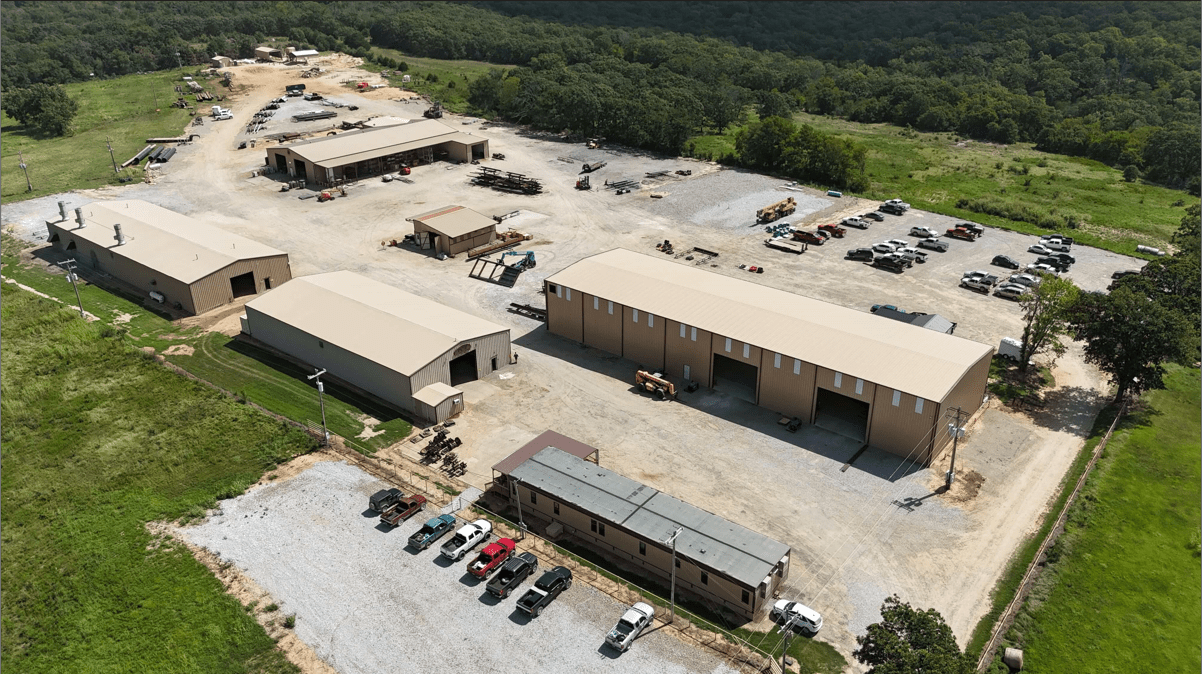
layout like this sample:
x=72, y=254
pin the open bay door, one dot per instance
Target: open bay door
x=423, y=240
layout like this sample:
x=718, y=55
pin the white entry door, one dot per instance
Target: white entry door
x=686, y=373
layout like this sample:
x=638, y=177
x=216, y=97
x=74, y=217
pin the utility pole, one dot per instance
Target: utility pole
x=787, y=631
x=321, y=397
x=179, y=62
x=109, y=143
x=69, y=265
x=956, y=430
x=28, y=185
x=517, y=496
x=672, y=540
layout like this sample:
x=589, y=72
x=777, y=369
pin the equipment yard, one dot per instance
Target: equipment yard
x=858, y=533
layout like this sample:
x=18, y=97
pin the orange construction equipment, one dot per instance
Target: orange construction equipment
x=655, y=383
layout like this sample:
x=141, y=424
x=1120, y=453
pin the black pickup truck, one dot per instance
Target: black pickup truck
x=384, y=499
x=512, y=574
x=550, y=586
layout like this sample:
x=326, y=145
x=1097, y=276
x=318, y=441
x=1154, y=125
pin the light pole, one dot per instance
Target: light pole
x=179, y=62
x=672, y=540
x=321, y=397
x=957, y=431
x=787, y=630
x=517, y=496
x=21, y=158
x=69, y=265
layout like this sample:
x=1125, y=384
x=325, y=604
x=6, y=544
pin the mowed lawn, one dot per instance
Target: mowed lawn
x=99, y=440
x=122, y=110
x=452, y=77
x=231, y=364
x=934, y=171
x=1127, y=595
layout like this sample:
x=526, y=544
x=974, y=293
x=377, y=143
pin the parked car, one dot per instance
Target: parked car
x=403, y=510
x=874, y=216
x=972, y=227
x=1056, y=245
x=514, y=571
x=912, y=254
x=976, y=283
x=1010, y=292
x=862, y=254
x=431, y=531
x=1057, y=237
x=923, y=232
x=936, y=244
x=1064, y=257
x=1126, y=272
x=890, y=263
x=633, y=621
x=890, y=307
x=383, y=499
x=898, y=203
x=806, y=619
x=809, y=237
x=545, y=590
x=974, y=273
x=883, y=247
x=468, y=537
x=1038, y=268
x=823, y=233
x=835, y=230
x=1039, y=249
x=1025, y=280
x=1053, y=262
x=492, y=556
x=961, y=233
x=898, y=243
x=858, y=223
x=1005, y=261
x=892, y=209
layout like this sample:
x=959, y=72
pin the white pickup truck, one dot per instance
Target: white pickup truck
x=465, y=539
x=630, y=625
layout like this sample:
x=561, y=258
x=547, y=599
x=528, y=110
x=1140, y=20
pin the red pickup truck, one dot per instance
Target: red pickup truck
x=403, y=510
x=492, y=556
x=809, y=237
x=835, y=230
x=961, y=233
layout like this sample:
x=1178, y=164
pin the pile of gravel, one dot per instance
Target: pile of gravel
x=729, y=199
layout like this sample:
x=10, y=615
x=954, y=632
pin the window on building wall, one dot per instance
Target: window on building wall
x=321, y=344
x=596, y=303
x=651, y=320
x=728, y=344
x=897, y=398
x=918, y=406
x=705, y=578
x=569, y=294
x=642, y=548
x=533, y=497
x=693, y=334
x=678, y=562
x=776, y=361
x=859, y=387
x=597, y=527
x=796, y=366
x=747, y=351
x=746, y=597
x=553, y=288
x=592, y=526
x=634, y=313
x=838, y=380
x=611, y=308
x=555, y=506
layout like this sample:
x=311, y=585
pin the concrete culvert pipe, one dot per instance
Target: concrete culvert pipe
x=1013, y=658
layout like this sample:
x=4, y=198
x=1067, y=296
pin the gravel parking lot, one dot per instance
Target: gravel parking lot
x=722, y=454
x=367, y=603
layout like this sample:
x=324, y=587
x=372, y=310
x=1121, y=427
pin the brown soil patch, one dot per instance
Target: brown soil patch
x=966, y=487
x=179, y=350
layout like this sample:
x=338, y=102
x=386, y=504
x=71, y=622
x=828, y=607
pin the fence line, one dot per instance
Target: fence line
x=1011, y=609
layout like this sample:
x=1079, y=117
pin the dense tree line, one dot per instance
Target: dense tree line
x=1116, y=82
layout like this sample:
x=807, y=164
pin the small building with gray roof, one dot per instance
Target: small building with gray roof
x=170, y=257
x=408, y=351
x=726, y=565
x=352, y=155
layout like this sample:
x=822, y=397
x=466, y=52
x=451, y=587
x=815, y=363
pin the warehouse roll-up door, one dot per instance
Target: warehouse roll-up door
x=735, y=378
x=843, y=415
x=463, y=369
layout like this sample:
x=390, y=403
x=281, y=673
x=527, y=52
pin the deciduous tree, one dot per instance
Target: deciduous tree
x=909, y=640
x=1045, y=317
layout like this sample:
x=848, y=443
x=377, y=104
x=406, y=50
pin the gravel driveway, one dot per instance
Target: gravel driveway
x=366, y=603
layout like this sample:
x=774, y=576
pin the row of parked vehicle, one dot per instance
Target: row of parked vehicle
x=499, y=559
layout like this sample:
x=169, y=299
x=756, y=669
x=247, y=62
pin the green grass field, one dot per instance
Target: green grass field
x=99, y=440
x=1126, y=588
x=934, y=171
x=452, y=96
x=231, y=364
x=122, y=110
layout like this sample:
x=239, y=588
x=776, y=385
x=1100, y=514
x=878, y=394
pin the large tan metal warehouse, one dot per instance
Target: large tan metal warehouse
x=169, y=256
x=453, y=230
x=374, y=151
x=885, y=383
x=719, y=561
x=405, y=349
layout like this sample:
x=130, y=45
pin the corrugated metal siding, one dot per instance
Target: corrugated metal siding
x=214, y=289
x=682, y=352
x=445, y=244
x=448, y=408
x=967, y=394
x=900, y=430
x=564, y=317
x=109, y=261
x=642, y=341
x=785, y=392
x=602, y=330
x=826, y=379
x=486, y=347
x=372, y=377
x=736, y=350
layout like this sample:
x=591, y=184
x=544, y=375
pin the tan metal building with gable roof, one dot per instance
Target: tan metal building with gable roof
x=453, y=229
x=407, y=350
x=884, y=383
x=183, y=261
x=373, y=151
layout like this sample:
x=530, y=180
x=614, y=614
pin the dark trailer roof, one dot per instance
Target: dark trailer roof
x=707, y=539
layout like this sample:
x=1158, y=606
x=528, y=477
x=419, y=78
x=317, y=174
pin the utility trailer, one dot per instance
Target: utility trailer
x=786, y=245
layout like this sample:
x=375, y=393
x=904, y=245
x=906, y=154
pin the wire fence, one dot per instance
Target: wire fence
x=1024, y=586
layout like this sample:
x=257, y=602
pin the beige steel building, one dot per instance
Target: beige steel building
x=885, y=383
x=374, y=151
x=718, y=561
x=453, y=230
x=406, y=350
x=170, y=257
